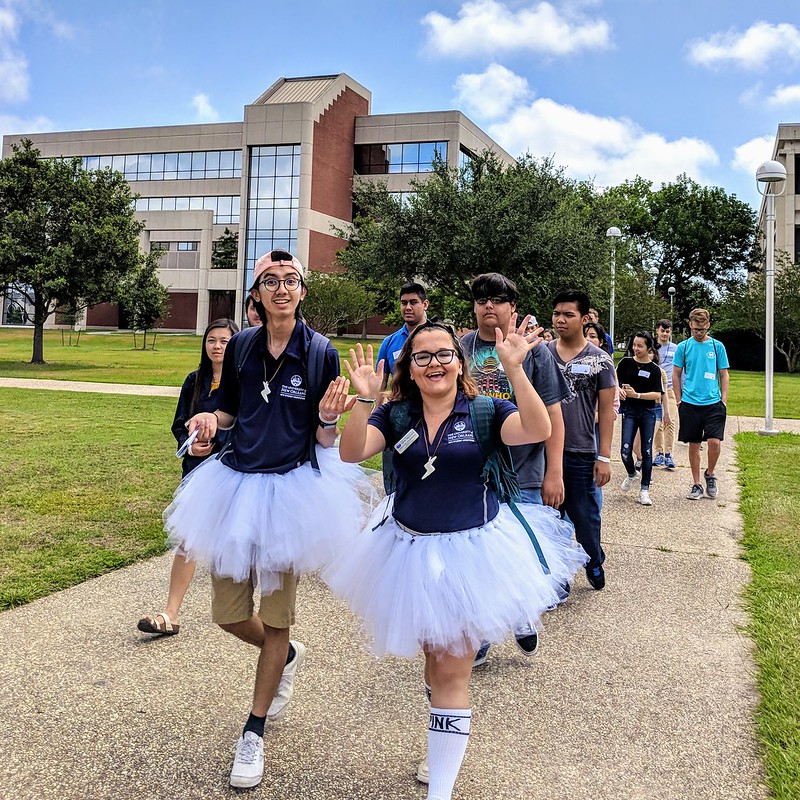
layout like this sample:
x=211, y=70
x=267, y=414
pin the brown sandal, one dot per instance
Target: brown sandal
x=150, y=624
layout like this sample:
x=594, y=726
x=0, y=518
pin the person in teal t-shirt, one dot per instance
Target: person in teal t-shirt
x=700, y=382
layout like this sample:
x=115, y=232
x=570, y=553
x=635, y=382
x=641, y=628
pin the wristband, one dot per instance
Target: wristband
x=604, y=459
x=370, y=400
x=328, y=425
x=638, y=395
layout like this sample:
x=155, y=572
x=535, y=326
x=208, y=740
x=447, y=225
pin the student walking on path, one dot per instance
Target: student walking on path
x=443, y=565
x=664, y=439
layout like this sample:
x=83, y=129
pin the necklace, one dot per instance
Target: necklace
x=265, y=392
x=429, y=468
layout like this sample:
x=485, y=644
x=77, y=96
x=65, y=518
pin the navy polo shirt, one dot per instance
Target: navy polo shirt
x=274, y=436
x=454, y=497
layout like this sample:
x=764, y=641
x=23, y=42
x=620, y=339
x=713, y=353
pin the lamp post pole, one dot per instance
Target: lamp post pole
x=671, y=292
x=613, y=233
x=769, y=173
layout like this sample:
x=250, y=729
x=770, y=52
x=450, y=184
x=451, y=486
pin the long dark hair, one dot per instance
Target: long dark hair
x=206, y=368
x=648, y=340
x=601, y=335
x=403, y=388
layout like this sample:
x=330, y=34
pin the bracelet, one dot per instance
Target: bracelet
x=638, y=395
x=370, y=400
x=329, y=422
x=328, y=425
x=604, y=459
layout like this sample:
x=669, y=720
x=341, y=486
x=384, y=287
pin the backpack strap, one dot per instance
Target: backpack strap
x=315, y=366
x=498, y=467
x=242, y=345
x=400, y=420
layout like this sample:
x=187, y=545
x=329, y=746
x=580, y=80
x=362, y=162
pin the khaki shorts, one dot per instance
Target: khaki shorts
x=233, y=602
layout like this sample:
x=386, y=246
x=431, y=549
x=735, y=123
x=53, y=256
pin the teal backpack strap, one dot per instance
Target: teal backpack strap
x=400, y=420
x=315, y=366
x=498, y=468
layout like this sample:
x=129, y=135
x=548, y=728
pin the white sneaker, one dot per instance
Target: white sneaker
x=644, y=498
x=423, y=776
x=283, y=694
x=628, y=482
x=248, y=766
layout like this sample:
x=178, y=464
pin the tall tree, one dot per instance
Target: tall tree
x=67, y=236
x=145, y=300
x=334, y=300
x=225, y=250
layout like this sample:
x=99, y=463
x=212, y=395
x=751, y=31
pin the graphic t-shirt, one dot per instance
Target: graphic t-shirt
x=643, y=378
x=547, y=380
x=587, y=374
x=700, y=362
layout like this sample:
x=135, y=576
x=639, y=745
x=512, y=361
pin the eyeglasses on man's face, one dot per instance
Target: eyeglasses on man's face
x=495, y=301
x=700, y=330
x=273, y=284
x=424, y=357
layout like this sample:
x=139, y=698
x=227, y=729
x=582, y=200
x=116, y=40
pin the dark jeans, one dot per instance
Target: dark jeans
x=642, y=420
x=582, y=502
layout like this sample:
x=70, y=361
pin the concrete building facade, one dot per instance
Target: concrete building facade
x=787, y=205
x=280, y=178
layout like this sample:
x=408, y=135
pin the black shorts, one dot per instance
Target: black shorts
x=699, y=423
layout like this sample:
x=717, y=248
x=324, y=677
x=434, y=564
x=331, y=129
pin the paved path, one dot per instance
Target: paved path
x=641, y=692
x=90, y=386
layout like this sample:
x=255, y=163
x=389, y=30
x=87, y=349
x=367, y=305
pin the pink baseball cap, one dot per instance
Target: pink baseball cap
x=276, y=258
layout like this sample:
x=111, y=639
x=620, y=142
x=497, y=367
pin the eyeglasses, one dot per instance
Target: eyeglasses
x=699, y=330
x=424, y=357
x=496, y=301
x=273, y=284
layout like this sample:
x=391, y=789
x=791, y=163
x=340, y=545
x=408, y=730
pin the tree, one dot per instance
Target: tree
x=144, y=298
x=745, y=309
x=701, y=239
x=526, y=220
x=334, y=300
x=67, y=236
x=225, y=250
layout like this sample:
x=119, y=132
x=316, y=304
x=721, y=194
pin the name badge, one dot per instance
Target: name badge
x=579, y=369
x=710, y=376
x=406, y=441
x=643, y=373
x=396, y=354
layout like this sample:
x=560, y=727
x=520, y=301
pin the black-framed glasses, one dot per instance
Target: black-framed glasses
x=424, y=357
x=496, y=301
x=273, y=284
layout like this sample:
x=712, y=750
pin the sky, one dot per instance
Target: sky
x=610, y=89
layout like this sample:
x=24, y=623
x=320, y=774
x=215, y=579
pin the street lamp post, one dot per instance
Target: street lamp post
x=671, y=292
x=771, y=182
x=613, y=233
x=654, y=275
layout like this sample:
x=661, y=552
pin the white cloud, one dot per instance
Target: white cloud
x=748, y=156
x=785, y=96
x=753, y=49
x=205, y=111
x=605, y=149
x=492, y=93
x=14, y=78
x=10, y=124
x=488, y=26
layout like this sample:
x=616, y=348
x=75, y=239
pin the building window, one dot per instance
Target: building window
x=188, y=245
x=383, y=159
x=200, y=165
x=797, y=244
x=273, y=194
x=158, y=246
x=225, y=208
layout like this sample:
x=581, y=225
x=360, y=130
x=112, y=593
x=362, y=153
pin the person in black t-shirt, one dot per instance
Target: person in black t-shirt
x=640, y=389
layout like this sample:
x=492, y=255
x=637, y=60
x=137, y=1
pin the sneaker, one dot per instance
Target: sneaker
x=711, y=484
x=644, y=498
x=423, y=775
x=482, y=655
x=628, y=482
x=696, y=492
x=596, y=577
x=283, y=694
x=638, y=465
x=528, y=644
x=658, y=461
x=668, y=462
x=248, y=766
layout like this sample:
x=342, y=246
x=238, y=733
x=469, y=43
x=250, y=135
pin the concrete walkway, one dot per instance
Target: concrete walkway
x=641, y=692
x=90, y=386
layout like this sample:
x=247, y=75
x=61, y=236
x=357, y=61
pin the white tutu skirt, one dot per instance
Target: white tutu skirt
x=244, y=523
x=450, y=592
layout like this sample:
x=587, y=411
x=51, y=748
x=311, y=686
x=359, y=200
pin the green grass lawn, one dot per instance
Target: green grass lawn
x=109, y=357
x=770, y=503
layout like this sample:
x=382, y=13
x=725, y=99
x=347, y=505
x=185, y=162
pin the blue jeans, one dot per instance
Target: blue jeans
x=582, y=502
x=532, y=496
x=642, y=420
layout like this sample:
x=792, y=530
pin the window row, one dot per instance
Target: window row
x=384, y=159
x=164, y=246
x=171, y=166
x=225, y=208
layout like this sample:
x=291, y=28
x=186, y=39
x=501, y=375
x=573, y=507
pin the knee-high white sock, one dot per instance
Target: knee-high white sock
x=448, y=734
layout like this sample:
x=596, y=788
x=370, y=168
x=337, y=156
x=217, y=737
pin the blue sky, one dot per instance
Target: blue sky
x=609, y=88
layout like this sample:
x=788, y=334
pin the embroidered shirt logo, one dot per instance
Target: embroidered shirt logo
x=296, y=380
x=460, y=425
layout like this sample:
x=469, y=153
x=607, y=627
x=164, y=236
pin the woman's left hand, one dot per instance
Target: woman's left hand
x=514, y=348
x=335, y=400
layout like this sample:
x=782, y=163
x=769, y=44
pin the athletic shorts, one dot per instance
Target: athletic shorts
x=233, y=602
x=699, y=423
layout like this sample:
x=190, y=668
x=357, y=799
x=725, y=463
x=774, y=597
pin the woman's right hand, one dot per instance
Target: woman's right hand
x=201, y=449
x=206, y=422
x=363, y=378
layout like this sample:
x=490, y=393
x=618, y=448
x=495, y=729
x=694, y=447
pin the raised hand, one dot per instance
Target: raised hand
x=514, y=348
x=363, y=378
x=335, y=400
